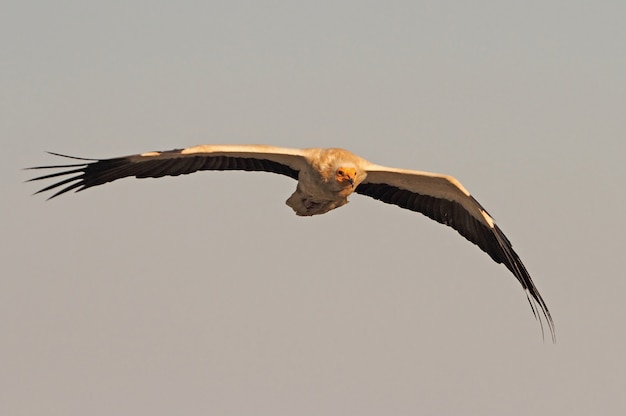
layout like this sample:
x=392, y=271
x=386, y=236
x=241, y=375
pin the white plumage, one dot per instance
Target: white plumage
x=326, y=178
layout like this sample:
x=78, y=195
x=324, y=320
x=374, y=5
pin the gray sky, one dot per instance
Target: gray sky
x=204, y=294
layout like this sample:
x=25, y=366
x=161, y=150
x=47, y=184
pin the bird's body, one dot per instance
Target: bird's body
x=320, y=188
x=326, y=178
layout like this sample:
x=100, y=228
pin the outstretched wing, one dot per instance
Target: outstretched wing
x=93, y=172
x=443, y=199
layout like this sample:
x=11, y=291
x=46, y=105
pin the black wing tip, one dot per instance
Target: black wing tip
x=72, y=182
x=537, y=303
x=512, y=261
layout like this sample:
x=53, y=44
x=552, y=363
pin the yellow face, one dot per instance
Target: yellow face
x=346, y=175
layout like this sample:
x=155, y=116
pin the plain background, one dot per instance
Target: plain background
x=204, y=294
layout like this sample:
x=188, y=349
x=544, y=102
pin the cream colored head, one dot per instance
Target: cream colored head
x=346, y=175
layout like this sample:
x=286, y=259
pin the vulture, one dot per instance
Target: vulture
x=325, y=179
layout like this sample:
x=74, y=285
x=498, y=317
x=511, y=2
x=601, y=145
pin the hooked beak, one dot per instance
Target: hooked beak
x=346, y=174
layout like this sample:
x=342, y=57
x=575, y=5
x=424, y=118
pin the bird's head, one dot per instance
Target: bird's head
x=346, y=175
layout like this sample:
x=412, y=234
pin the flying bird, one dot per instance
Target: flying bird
x=326, y=178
